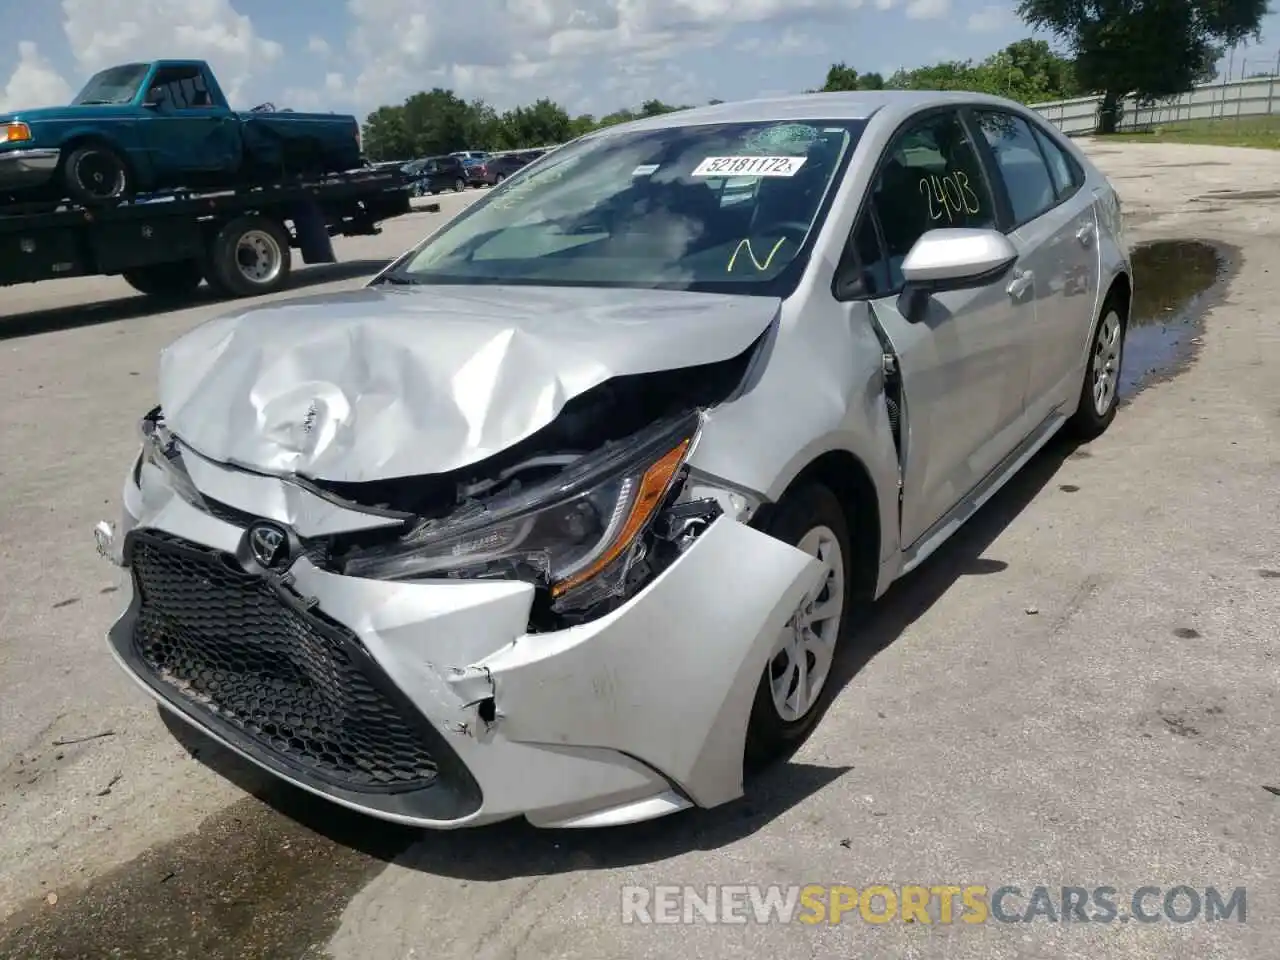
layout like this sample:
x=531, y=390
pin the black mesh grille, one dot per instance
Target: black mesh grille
x=295, y=683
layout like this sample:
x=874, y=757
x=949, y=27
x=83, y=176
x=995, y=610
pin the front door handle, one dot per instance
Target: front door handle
x=1020, y=284
x=1085, y=234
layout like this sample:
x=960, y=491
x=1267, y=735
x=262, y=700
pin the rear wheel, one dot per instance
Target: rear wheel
x=249, y=257
x=499, y=178
x=1099, y=394
x=167, y=281
x=795, y=684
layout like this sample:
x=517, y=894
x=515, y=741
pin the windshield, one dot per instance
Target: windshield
x=113, y=85
x=716, y=208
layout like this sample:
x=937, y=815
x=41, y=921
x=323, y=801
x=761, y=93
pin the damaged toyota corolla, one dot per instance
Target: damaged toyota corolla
x=566, y=514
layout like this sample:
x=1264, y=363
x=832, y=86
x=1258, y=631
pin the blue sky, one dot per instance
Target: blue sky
x=591, y=55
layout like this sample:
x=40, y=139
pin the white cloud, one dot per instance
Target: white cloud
x=318, y=46
x=928, y=9
x=790, y=42
x=401, y=41
x=34, y=82
x=105, y=32
x=989, y=19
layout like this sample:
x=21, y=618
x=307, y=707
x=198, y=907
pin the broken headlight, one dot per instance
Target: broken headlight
x=577, y=535
x=160, y=450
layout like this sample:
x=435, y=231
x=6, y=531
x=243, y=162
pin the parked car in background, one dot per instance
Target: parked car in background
x=472, y=160
x=499, y=166
x=436, y=174
x=142, y=127
x=569, y=512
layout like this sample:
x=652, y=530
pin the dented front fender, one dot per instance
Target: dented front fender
x=670, y=677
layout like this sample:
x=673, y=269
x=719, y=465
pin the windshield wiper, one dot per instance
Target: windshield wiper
x=96, y=103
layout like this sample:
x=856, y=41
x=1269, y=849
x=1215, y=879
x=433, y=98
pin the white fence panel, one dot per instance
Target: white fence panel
x=1257, y=96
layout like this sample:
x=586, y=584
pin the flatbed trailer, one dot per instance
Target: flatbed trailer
x=237, y=240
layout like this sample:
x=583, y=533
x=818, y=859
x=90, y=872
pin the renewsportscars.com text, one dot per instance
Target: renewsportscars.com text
x=930, y=904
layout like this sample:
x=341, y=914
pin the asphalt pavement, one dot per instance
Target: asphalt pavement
x=1079, y=691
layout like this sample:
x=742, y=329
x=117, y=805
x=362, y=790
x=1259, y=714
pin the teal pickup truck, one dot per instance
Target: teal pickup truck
x=140, y=128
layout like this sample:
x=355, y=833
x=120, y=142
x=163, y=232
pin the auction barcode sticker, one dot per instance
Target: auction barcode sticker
x=748, y=167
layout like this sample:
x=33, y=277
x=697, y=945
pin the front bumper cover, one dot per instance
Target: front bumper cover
x=23, y=168
x=636, y=714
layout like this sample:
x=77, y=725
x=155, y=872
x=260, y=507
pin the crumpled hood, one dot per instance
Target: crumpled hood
x=387, y=382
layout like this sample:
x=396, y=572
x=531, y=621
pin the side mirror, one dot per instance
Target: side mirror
x=952, y=259
x=956, y=259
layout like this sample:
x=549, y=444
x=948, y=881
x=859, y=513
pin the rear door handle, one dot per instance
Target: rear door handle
x=1085, y=234
x=1020, y=284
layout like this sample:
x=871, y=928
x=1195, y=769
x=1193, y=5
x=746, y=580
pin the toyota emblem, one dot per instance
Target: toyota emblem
x=269, y=545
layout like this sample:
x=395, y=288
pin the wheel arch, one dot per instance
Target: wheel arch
x=1121, y=290
x=845, y=474
x=86, y=138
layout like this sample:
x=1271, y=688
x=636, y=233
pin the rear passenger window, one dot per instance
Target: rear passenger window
x=930, y=179
x=1061, y=169
x=1021, y=165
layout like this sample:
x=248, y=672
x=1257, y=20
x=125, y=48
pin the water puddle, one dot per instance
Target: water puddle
x=1172, y=279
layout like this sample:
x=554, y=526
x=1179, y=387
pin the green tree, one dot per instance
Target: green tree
x=842, y=77
x=1148, y=49
x=385, y=135
x=438, y=122
x=540, y=124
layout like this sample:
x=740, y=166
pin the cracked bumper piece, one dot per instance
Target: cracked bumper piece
x=428, y=703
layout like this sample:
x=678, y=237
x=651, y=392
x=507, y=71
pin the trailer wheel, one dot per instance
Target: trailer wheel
x=95, y=174
x=167, y=281
x=249, y=257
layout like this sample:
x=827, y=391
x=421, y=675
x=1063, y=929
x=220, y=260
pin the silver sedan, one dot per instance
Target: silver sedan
x=567, y=513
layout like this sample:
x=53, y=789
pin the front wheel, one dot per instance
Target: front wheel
x=249, y=257
x=499, y=178
x=1100, y=392
x=96, y=175
x=459, y=185
x=795, y=682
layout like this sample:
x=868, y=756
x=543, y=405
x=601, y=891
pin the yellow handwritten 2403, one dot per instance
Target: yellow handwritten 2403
x=949, y=195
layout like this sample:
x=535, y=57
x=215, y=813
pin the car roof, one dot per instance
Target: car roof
x=854, y=105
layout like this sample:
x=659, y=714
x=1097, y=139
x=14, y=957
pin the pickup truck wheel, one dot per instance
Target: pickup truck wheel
x=95, y=174
x=249, y=257
x=166, y=281
x=459, y=185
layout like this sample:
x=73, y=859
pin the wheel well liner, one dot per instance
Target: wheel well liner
x=847, y=477
x=1121, y=291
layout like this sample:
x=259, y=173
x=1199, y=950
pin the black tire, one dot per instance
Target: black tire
x=459, y=185
x=96, y=175
x=166, y=281
x=1092, y=416
x=499, y=178
x=249, y=257
x=769, y=735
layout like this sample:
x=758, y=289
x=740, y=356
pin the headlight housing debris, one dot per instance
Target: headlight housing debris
x=578, y=535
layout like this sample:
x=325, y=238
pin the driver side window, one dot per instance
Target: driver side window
x=931, y=178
